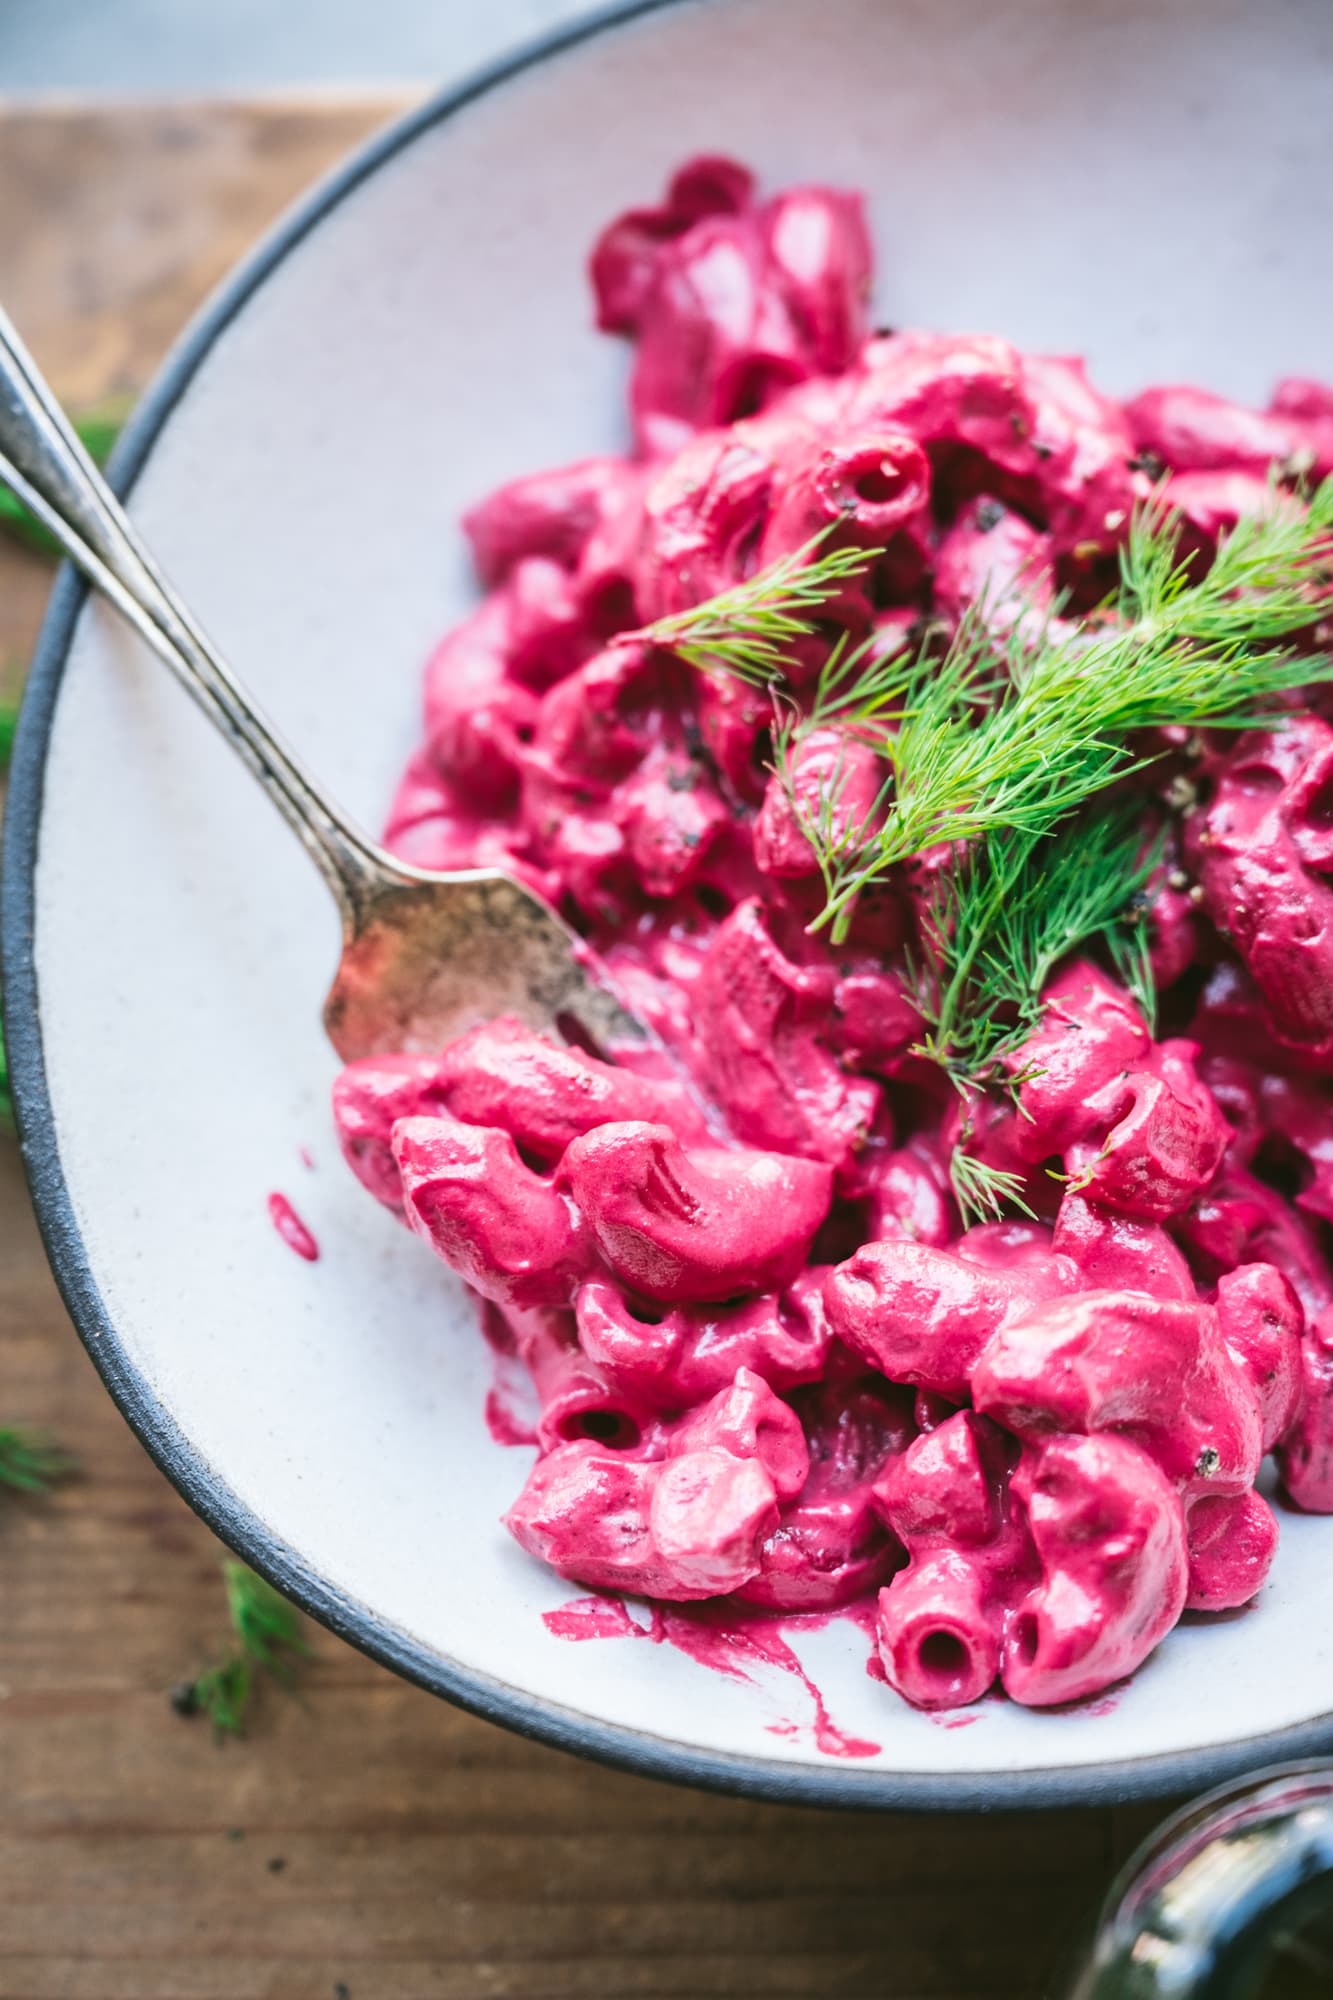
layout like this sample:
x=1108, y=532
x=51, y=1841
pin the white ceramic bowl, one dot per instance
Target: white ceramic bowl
x=1151, y=184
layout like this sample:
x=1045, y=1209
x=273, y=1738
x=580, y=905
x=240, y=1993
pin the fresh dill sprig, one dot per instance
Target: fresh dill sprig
x=982, y=1191
x=97, y=431
x=222, y=1693
x=998, y=926
x=1000, y=741
x=859, y=688
x=268, y=1640
x=268, y=1627
x=31, y=1462
x=1266, y=580
x=1004, y=917
x=749, y=630
x=1129, y=947
x=1013, y=734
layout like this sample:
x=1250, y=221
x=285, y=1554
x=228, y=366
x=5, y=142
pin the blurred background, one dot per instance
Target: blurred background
x=139, y=47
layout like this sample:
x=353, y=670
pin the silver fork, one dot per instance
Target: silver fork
x=424, y=955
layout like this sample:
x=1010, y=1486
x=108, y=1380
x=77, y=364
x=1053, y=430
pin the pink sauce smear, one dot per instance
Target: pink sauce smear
x=715, y=1638
x=771, y=1370
x=291, y=1229
x=510, y=1410
x=501, y=1410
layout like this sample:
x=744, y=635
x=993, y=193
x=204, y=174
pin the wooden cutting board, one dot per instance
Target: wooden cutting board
x=365, y=1842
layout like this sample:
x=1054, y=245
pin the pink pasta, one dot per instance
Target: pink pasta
x=773, y=1364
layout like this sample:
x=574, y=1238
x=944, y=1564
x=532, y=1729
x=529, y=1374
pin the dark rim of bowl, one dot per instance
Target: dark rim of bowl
x=235, y=1524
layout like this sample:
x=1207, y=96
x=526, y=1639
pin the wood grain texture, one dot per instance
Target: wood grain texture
x=365, y=1842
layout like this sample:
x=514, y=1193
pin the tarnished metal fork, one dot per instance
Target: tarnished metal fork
x=424, y=955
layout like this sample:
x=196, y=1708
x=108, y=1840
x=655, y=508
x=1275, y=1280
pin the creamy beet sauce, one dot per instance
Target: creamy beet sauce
x=772, y=1374
x=511, y=1411
x=592, y=1618
x=715, y=1638
x=503, y=1419
x=291, y=1228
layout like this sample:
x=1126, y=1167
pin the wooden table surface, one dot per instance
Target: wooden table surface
x=366, y=1842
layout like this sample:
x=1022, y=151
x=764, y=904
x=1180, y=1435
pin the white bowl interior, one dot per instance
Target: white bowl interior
x=1145, y=184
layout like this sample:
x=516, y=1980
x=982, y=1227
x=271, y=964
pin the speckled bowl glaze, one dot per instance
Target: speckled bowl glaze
x=1147, y=183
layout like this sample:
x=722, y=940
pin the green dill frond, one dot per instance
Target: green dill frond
x=869, y=688
x=1132, y=958
x=31, y=1462
x=1180, y=653
x=1269, y=571
x=1003, y=920
x=1080, y=1182
x=269, y=1640
x=834, y=839
x=749, y=630
x=222, y=1694
x=97, y=430
x=903, y=704
x=983, y=1192
x=998, y=746
x=9, y=716
x=996, y=743
x=267, y=1626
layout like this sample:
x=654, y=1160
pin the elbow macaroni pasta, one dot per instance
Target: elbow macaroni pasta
x=773, y=1366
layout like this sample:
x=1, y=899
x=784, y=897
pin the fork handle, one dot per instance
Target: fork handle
x=43, y=462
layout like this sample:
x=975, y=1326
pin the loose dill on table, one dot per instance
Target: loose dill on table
x=268, y=1640
x=32, y=1462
